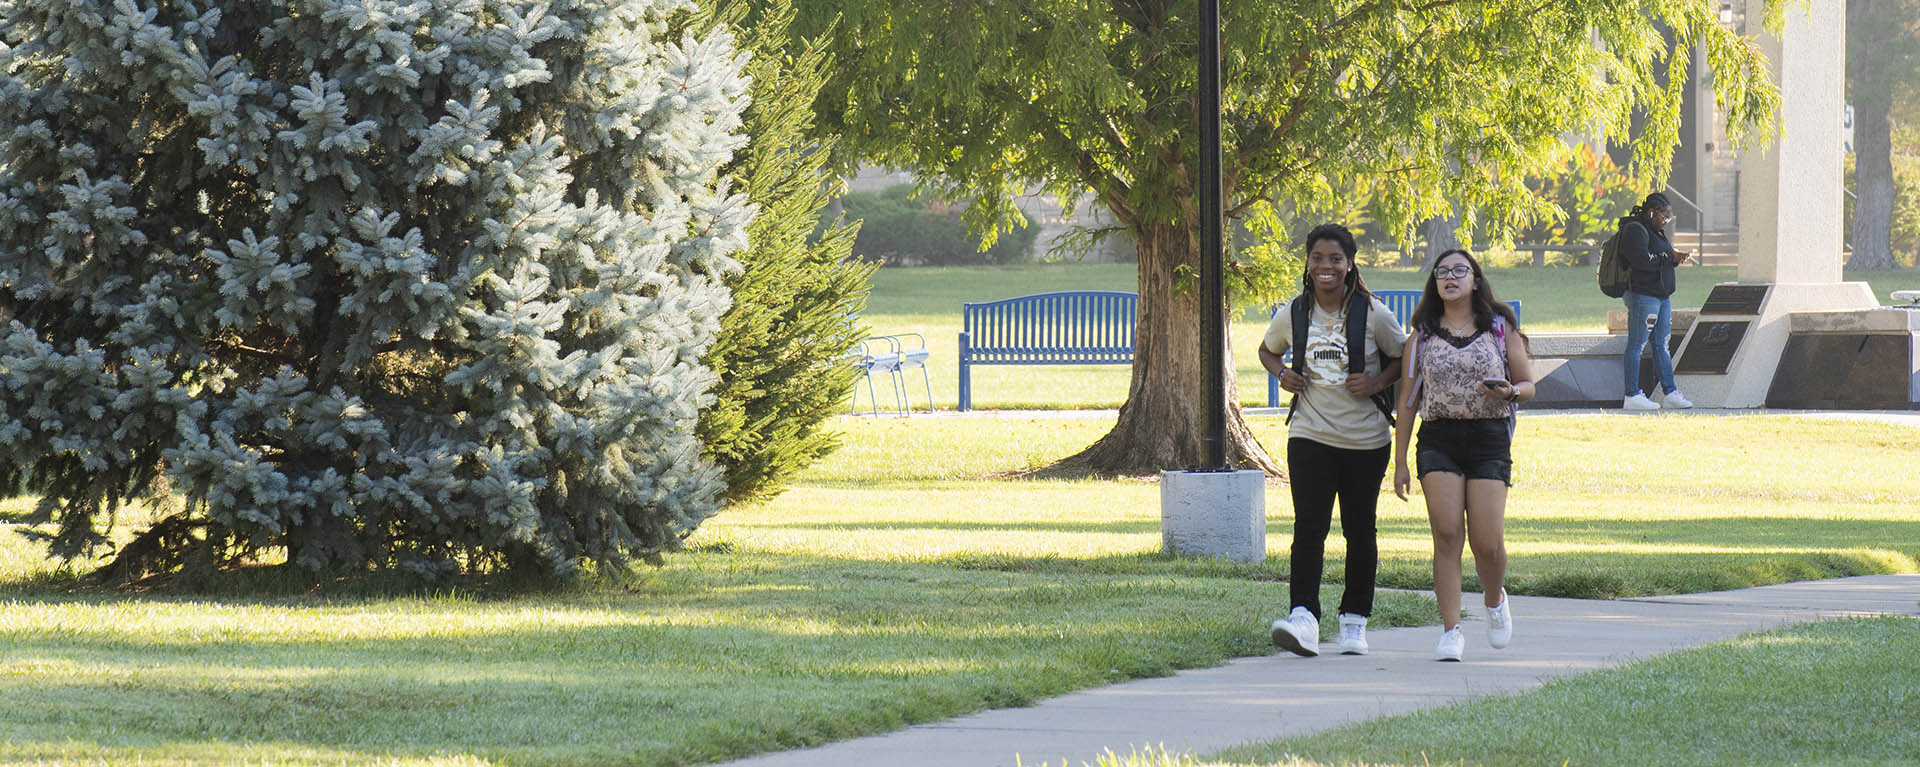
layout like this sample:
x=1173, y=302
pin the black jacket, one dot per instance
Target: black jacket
x=1649, y=257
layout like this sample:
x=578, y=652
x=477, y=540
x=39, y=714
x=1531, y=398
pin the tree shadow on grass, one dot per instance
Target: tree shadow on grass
x=729, y=658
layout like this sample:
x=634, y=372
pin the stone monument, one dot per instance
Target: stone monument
x=1790, y=220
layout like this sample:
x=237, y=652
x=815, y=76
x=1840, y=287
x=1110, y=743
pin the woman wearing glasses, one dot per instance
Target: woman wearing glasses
x=1466, y=369
x=1650, y=258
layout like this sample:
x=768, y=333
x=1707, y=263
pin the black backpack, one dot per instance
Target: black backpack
x=1357, y=307
x=1613, y=272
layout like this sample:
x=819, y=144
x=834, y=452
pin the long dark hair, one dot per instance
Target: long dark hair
x=1344, y=239
x=1426, y=316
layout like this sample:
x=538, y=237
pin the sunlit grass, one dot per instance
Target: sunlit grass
x=904, y=579
x=1838, y=692
x=1731, y=502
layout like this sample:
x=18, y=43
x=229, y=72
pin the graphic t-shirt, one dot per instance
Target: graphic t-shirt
x=1325, y=412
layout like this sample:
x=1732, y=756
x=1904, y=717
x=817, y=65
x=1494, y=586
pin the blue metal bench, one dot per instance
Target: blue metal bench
x=1075, y=327
x=1401, y=302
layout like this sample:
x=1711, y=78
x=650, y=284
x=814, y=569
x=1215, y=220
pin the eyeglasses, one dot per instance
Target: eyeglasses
x=1453, y=272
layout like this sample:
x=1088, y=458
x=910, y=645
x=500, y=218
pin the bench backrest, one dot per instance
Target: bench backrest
x=1067, y=327
x=1401, y=302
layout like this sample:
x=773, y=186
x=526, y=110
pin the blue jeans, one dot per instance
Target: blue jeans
x=1638, y=307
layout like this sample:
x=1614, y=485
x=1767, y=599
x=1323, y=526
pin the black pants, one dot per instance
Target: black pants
x=1319, y=473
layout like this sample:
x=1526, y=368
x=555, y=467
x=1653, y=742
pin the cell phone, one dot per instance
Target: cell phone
x=1493, y=383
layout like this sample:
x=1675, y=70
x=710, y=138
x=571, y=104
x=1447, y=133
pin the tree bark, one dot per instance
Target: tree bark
x=1440, y=238
x=1872, y=153
x=1163, y=424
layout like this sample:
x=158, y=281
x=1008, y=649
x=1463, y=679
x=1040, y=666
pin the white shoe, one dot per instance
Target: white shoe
x=1298, y=633
x=1639, y=402
x=1353, y=634
x=1674, y=400
x=1452, y=645
x=1500, y=623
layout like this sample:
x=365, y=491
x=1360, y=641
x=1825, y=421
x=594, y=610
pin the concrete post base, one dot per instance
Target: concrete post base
x=1219, y=514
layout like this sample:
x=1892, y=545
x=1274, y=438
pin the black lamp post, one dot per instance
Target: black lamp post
x=1212, y=292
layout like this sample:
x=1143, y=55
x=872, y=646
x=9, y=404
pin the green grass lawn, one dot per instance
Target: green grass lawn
x=927, y=301
x=898, y=582
x=1829, y=693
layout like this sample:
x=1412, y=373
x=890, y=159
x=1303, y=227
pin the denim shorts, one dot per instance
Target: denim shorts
x=1479, y=448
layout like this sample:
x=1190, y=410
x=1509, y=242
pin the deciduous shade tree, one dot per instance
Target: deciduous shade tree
x=1883, y=61
x=782, y=354
x=1452, y=103
x=415, y=285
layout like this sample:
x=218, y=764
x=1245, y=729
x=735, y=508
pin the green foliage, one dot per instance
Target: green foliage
x=1904, y=237
x=1440, y=108
x=901, y=229
x=782, y=351
x=1906, y=195
x=370, y=283
x=1593, y=192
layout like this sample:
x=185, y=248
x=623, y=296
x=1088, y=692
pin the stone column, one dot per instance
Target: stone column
x=1790, y=205
x=1790, y=214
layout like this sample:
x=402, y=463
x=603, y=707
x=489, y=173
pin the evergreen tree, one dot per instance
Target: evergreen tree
x=382, y=283
x=782, y=353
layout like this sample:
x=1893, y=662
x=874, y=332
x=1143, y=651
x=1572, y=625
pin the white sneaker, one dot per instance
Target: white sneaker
x=1675, y=400
x=1452, y=645
x=1353, y=634
x=1500, y=623
x=1298, y=633
x=1639, y=402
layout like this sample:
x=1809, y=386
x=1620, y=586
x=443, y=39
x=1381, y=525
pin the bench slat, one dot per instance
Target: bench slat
x=1075, y=327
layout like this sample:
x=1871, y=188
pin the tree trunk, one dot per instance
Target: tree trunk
x=1163, y=425
x=1873, y=157
x=1440, y=238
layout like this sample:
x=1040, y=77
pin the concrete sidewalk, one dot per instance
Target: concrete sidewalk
x=1266, y=697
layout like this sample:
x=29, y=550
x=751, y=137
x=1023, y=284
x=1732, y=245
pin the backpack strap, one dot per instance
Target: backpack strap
x=1413, y=365
x=1500, y=342
x=1357, y=306
x=1358, y=328
x=1301, y=313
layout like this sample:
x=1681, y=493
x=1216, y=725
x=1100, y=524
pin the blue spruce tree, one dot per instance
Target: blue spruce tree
x=379, y=283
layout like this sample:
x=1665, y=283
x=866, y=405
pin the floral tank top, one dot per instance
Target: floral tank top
x=1450, y=377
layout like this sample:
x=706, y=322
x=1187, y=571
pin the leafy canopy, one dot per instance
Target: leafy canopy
x=1442, y=106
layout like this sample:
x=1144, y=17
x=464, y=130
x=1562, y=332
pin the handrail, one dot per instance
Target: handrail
x=1700, y=216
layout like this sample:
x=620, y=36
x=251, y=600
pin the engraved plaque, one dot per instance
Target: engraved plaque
x=1711, y=346
x=1735, y=299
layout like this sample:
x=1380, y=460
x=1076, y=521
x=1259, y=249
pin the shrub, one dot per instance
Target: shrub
x=898, y=230
x=1593, y=192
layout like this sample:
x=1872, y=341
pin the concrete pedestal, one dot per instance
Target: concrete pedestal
x=1749, y=374
x=1219, y=514
x=1866, y=360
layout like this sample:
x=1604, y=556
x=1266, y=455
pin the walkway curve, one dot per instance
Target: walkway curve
x=1265, y=697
